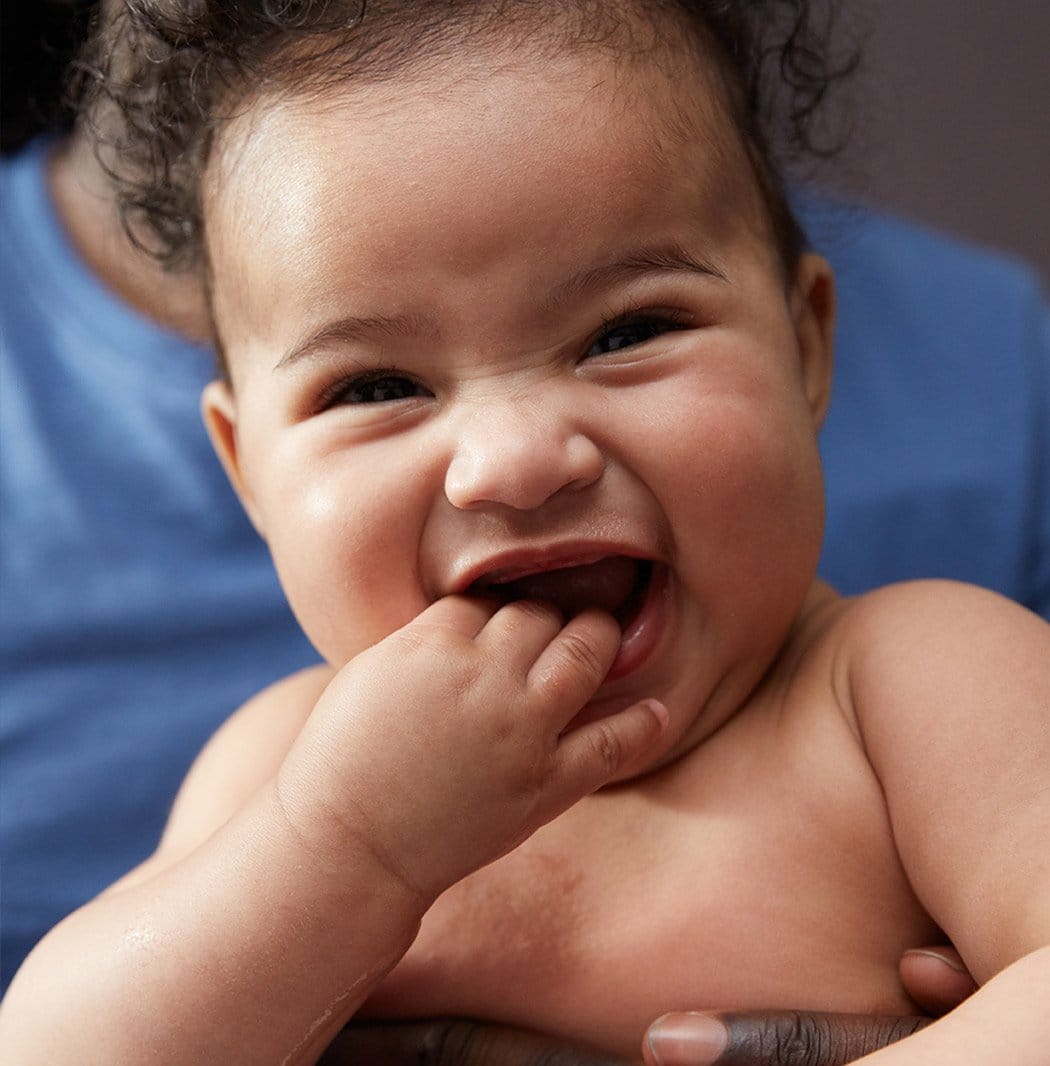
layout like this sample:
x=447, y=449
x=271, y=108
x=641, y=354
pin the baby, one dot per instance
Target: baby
x=524, y=361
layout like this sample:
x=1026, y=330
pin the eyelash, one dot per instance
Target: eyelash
x=338, y=390
x=664, y=321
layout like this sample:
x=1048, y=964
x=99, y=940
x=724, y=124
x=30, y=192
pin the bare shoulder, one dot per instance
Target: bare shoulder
x=243, y=754
x=945, y=652
x=944, y=630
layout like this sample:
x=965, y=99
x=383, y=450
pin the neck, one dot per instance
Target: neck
x=87, y=208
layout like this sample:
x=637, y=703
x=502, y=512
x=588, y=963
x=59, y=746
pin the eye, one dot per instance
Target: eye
x=375, y=388
x=631, y=330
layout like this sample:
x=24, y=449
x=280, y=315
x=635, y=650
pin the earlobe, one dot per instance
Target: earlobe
x=219, y=411
x=813, y=308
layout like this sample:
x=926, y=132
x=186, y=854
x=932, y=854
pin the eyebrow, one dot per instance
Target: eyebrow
x=665, y=258
x=356, y=328
x=661, y=259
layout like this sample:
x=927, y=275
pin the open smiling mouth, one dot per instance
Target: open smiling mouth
x=634, y=591
x=615, y=583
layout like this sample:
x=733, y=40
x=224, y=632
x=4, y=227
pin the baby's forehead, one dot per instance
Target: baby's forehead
x=480, y=104
x=458, y=165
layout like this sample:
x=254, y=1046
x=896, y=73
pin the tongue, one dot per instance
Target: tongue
x=605, y=584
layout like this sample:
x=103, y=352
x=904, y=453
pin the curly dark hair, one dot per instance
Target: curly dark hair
x=158, y=78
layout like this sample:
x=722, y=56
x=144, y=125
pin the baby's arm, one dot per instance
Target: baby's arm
x=951, y=690
x=254, y=940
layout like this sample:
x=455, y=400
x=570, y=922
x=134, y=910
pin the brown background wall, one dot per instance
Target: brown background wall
x=954, y=110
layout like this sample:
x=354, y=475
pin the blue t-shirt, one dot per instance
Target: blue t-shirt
x=937, y=443
x=139, y=608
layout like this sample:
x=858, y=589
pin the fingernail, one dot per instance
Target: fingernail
x=687, y=1040
x=948, y=959
x=661, y=713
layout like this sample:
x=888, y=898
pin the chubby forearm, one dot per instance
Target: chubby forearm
x=1004, y=1021
x=260, y=941
x=244, y=951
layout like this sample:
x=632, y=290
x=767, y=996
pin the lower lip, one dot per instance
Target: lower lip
x=644, y=631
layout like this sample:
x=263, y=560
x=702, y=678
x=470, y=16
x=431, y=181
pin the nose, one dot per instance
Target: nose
x=517, y=456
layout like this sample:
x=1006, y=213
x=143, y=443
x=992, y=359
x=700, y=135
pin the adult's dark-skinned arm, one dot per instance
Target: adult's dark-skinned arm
x=934, y=977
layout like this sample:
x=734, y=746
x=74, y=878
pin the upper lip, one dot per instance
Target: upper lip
x=511, y=565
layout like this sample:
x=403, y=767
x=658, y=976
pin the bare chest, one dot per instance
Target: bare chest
x=758, y=875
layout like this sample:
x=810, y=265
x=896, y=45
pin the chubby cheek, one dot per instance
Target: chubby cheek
x=743, y=494
x=345, y=548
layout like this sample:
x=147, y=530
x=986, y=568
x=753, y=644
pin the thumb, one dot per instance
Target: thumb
x=771, y=1038
x=936, y=978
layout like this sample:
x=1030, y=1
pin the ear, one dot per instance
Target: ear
x=219, y=411
x=813, y=311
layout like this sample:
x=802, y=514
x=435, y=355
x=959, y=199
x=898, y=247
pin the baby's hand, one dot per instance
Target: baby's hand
x=442, y=748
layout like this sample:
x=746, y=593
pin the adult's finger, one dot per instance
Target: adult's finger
x=453, y=1042
x=771, y=1038
x=936, y=978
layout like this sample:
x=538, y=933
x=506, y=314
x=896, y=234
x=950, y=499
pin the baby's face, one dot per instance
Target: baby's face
x=513, y=329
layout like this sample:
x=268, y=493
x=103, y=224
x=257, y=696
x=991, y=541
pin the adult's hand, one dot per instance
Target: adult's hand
x=934, y=977
x=776, y=1038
